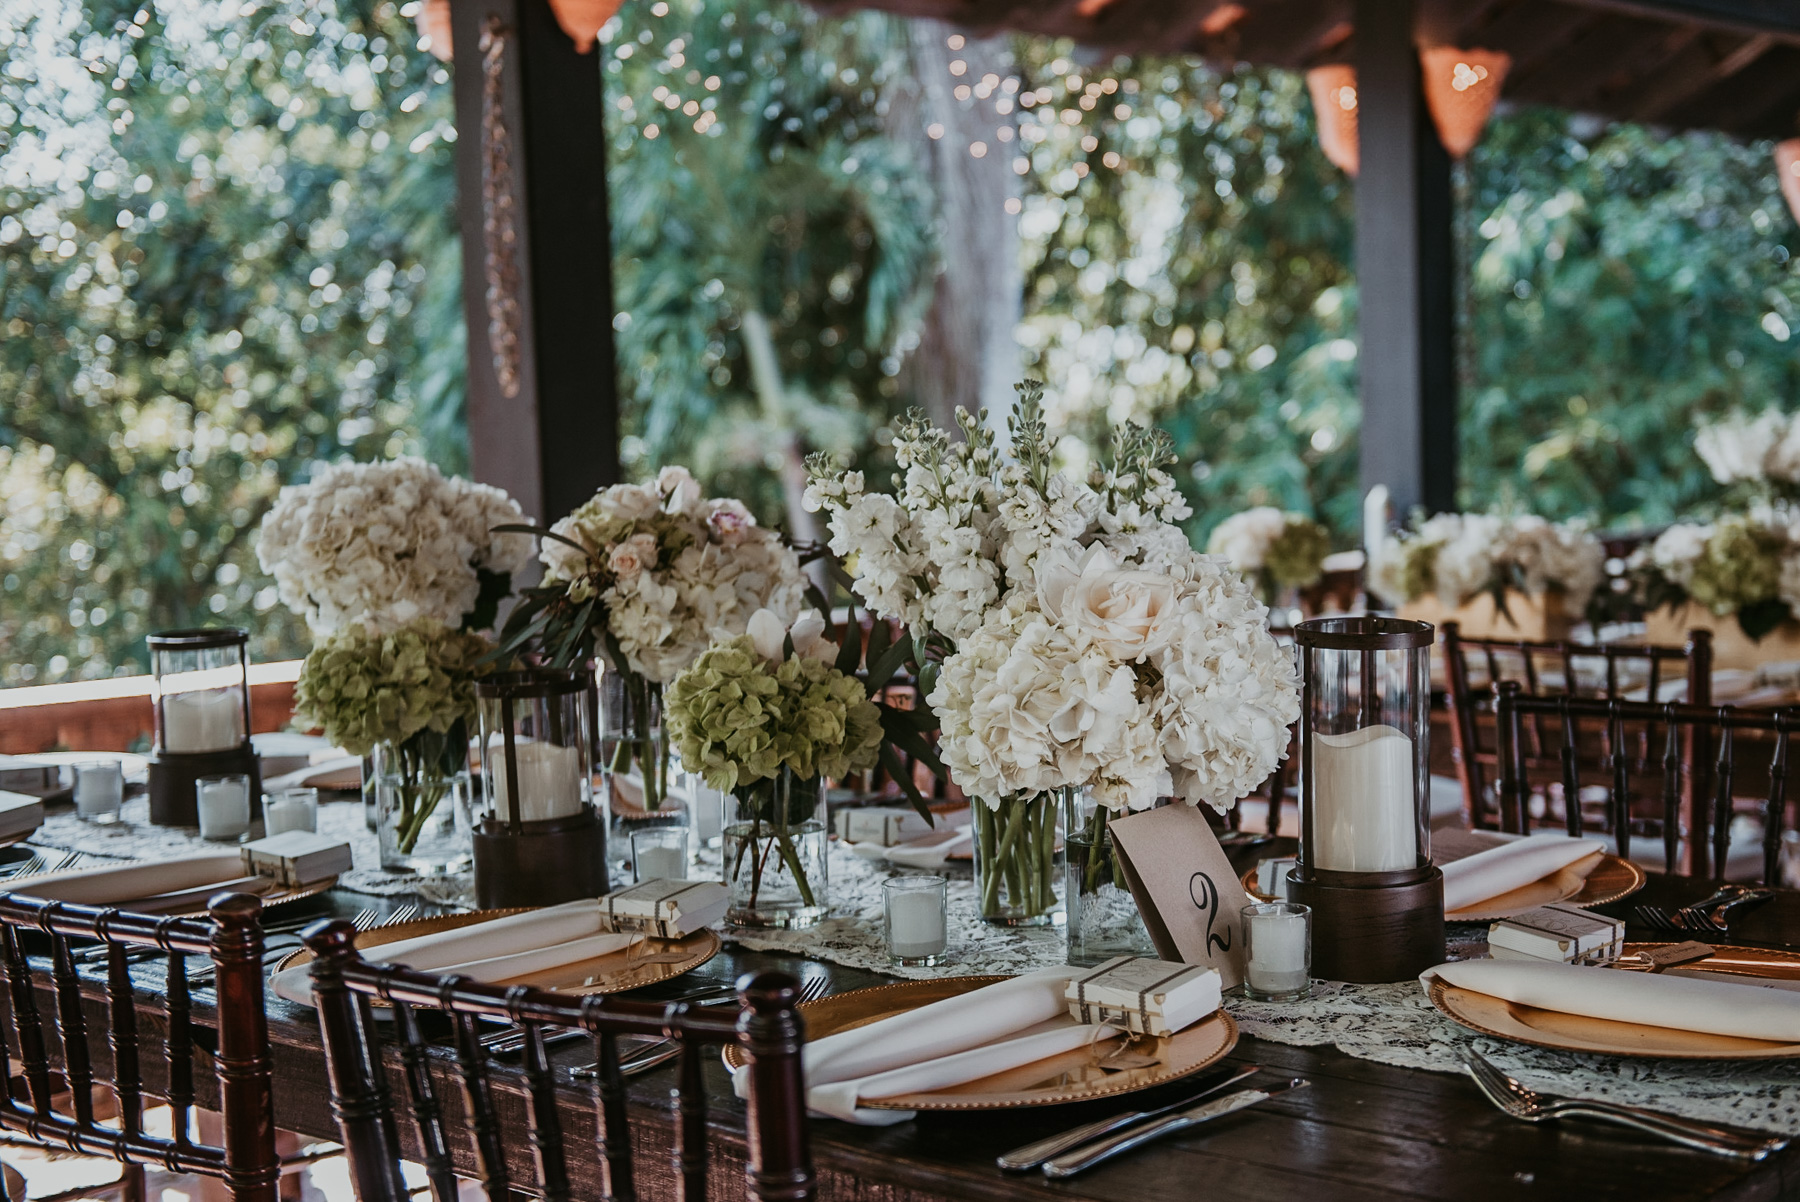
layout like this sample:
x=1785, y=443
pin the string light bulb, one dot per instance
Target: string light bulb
x=1333, y=90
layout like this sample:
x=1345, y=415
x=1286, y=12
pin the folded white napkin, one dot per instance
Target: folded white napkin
x=980, y=1019
x=500, y=950
x=929, y=852
x=1502, y=869
x=842, y=1099
x=116, y=884
x=1713, y=1007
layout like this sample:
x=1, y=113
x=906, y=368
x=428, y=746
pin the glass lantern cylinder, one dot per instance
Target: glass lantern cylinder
x=539, y=841
x=1365, y=843
x=200, y=716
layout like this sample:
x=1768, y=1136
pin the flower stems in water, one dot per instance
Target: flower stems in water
x=1017, y=847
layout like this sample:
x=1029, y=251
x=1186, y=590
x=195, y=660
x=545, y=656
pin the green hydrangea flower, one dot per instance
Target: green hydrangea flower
x=364, y=688
x=737, y=719
x=1740, y=567
x=1297, y=557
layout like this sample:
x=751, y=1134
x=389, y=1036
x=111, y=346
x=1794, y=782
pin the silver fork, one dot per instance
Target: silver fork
x=663, y=1051
x=1658, y=919
x=1526, y=1104
x=1709, y=915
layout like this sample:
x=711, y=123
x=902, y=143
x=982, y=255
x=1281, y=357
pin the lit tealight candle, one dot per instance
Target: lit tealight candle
x=203, y=720
x=916, y=928
x=99, y=791
x=224, y=806
x=1280, y=945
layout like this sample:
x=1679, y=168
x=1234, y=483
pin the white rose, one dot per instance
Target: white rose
x=1125, y=613
x=633, y=555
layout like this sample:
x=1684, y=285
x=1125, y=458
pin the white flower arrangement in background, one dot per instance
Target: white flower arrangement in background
x=1743, y=565
x=1760, y=451
x=383, y=545
x=1085, y=642
x=1276, y=550
x=1459, y=556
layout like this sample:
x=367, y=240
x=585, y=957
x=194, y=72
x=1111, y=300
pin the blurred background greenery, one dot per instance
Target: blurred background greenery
x=228, y=251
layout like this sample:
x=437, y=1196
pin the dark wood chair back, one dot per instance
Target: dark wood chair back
x=1688, y=785
x=766, y=1027
x=1549, y=669
x=39, y=963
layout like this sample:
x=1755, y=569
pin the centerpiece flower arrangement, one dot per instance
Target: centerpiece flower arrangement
x=769, y=716
x=396, y=568
x=1082, y=652
x=1462, y=556
x=1757, y=456
x=1741, y=566
x=645, y=577
x=1279, y=551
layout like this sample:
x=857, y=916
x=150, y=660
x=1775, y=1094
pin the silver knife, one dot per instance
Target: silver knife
x=1030, y=1156
x=1084, y=1158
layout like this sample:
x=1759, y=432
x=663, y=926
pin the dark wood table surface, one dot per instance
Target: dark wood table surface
x=1361, y=1131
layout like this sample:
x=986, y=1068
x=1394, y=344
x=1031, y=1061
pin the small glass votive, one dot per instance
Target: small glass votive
x=290, y=810
x=1278, y=944
x=659, y=853
x=917, y=934
x=99, y=791
x=706, y=810
x=224, y=806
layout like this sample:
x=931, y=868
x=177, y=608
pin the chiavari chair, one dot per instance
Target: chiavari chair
x=51, y=1015
x=1704, y=759
x=767, y=1028
x=1474, y=667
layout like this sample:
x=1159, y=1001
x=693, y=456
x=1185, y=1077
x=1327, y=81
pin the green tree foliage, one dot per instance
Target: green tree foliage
x=227, y=250
x=1622, y=284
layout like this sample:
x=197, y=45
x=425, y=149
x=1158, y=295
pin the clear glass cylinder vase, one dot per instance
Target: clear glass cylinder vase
x=1103, y=914
x=641, y=782
x=775, y=853
x=422, y=805
x=1018, y=859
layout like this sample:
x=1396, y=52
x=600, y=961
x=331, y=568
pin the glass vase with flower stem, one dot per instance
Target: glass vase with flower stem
x=421, y=801
x=775, y=853
x=1103, y=921
x=635, y=755
x=1018, y=856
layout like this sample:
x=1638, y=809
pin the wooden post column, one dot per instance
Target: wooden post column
x=1404, y=270
x=537, y=256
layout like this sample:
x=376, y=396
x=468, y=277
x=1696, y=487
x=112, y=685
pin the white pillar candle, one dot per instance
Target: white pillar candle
x=203, y=720
x=1278, y=962
x=549, y=780
x=916, y=923
x=659, y=864
x=224, y=807
x=99, y=789
x=1363, y=813
x=1375, y=519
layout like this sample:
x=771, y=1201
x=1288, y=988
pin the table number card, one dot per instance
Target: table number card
x=1185, y=888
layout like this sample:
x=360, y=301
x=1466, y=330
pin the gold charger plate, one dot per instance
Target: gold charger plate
x=1070, y=1077
x=644, y=963
x=1578, y=1033
x=1608, y=880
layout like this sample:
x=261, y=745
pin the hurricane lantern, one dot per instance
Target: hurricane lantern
x=1365, y=851
x=200, y=713
x=539, y=841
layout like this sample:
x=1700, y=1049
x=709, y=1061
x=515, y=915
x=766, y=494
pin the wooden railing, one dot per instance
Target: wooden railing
x=114, y=714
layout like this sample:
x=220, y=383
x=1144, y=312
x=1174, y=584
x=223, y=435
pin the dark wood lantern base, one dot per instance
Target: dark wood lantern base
x=1373, y=927
x=173, y=775
x=542, y=863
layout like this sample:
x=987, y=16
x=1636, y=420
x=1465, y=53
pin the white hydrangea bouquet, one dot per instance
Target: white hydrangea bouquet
x=1083, y=643
x=646, y=577
x=1759, y=455
x=1460, y=556
x=1279, y=551
x=396, y=568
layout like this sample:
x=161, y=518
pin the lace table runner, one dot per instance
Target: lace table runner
x=1389, y=1024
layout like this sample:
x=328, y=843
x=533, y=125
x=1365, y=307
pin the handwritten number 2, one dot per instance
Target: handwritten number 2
x=1205, y=896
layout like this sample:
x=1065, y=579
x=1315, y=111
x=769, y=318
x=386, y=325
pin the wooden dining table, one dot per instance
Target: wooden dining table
x=1359, y=1130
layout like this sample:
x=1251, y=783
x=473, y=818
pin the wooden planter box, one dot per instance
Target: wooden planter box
x=1732, y=648
x=1532, y=619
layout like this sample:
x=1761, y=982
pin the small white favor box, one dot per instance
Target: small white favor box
x=666, y=909
x=20, y=814
x=883, y=826
x=1149, y=997
x=1558, y=932
x=297, y=858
